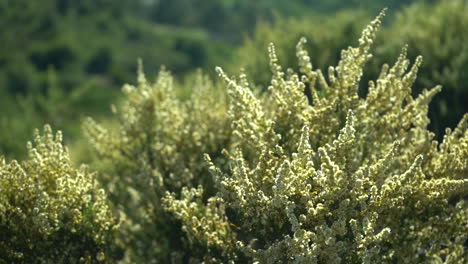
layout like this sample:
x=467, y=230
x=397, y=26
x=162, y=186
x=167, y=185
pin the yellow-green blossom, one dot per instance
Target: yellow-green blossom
x=51, y=212
x=337, y=178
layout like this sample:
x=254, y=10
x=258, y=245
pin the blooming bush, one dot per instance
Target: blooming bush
x=306, y=172
x=156, y=146
x=334, y=179
x=436, y=31
x=440, y=38
x=51, y=212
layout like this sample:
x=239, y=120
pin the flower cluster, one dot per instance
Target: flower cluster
x=332, y=177
x=445, y=54
x=436, y=31
x=51, y=212
x=308, y=171
x=157, y=145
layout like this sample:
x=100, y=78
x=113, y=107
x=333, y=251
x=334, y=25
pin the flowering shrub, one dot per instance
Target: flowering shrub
x=319, y=177
x=334, y=179
x=158, y=146
x=51, y=212
x=441, y=38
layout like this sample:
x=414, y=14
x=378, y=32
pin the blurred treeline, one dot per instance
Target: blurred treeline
x=62, y=60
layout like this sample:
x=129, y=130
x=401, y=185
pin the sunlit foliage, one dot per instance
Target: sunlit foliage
x=310, y=172
x=51, y=212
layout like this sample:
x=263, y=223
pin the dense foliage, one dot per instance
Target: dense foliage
x=323, y=177
x=339, y=179
x=156, y=146
x=440, y=38
x=330, y=162
x=51, y=212
x=92, y=46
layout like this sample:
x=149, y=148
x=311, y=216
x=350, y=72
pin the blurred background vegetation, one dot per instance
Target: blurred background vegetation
x=62, y=60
